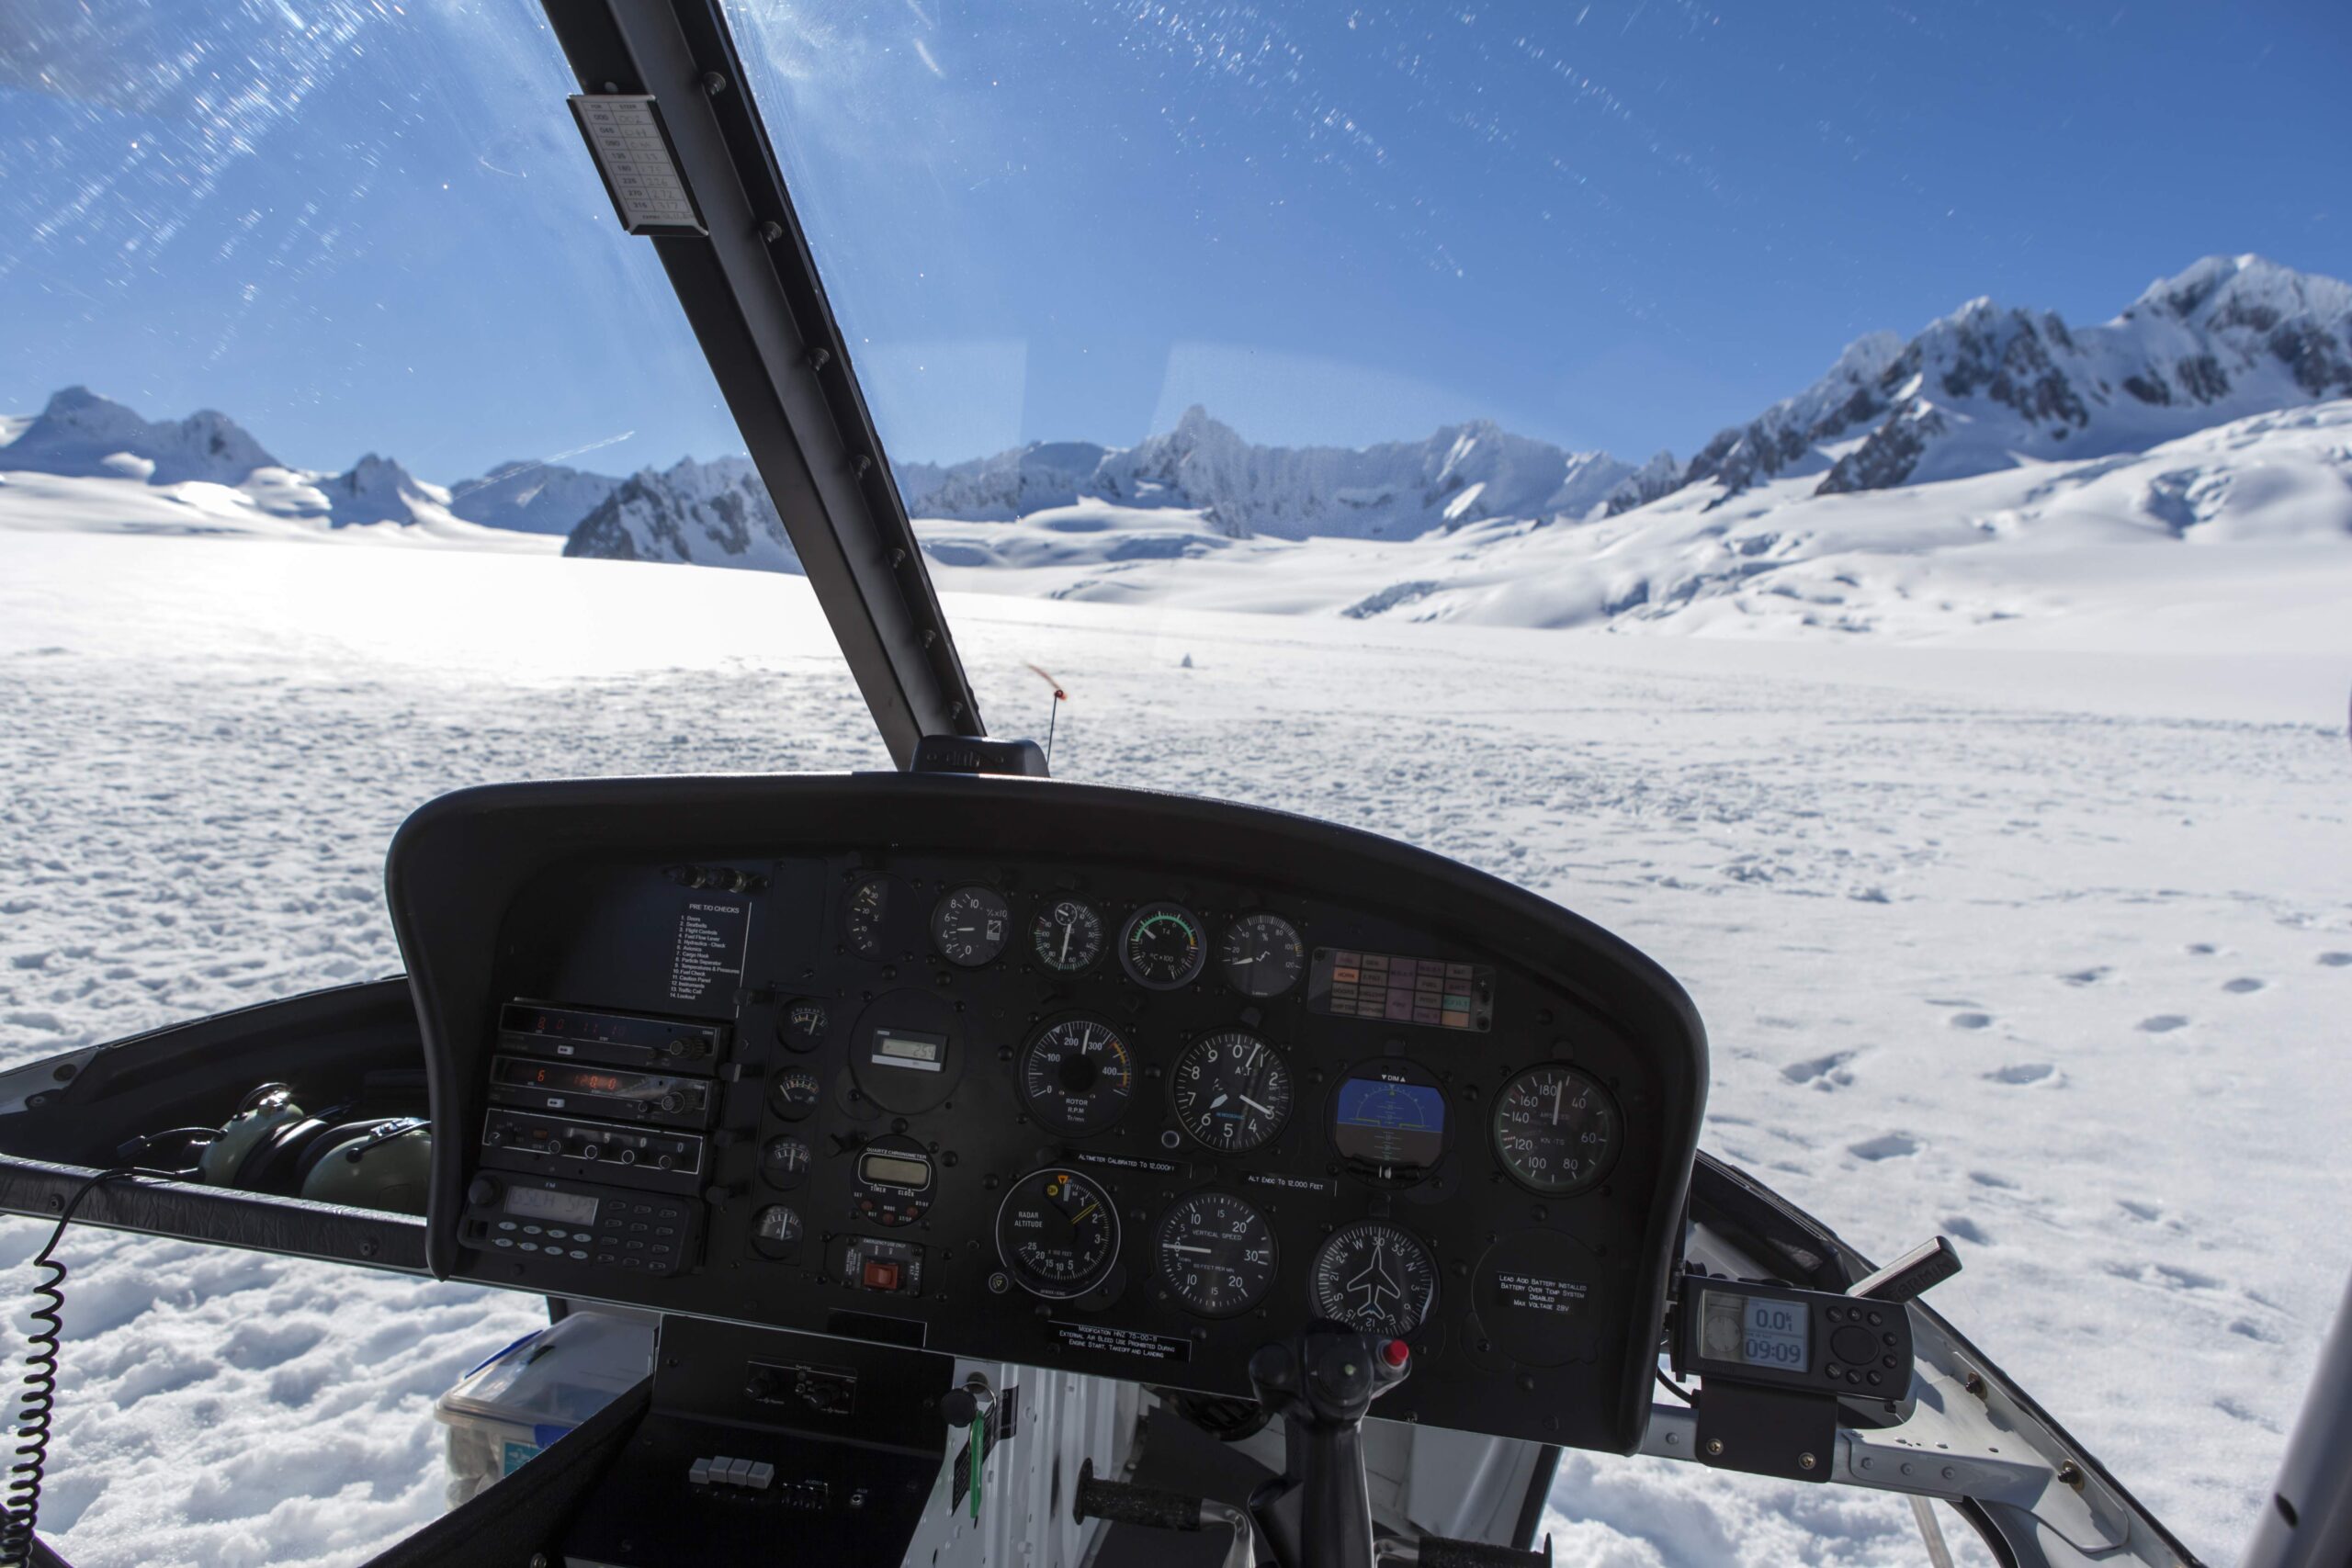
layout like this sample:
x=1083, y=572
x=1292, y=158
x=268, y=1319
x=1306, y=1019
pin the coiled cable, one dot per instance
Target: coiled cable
x=37, y=1393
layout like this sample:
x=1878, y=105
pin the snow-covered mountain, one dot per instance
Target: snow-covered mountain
x=1989, y=386
x=85, y=461
x=1464, y=474
x=715, y=514
x=531, y=497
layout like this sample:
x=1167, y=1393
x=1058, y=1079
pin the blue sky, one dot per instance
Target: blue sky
x=1619, y=224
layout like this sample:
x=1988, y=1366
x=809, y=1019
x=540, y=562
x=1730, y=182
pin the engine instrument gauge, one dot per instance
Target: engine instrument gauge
x=796, y=1094
x=970, y=925
x=1066, y=935
x=1215, y=1253
x=1375, y=1277
x=1161, y=947
x=1261, y=955
x=866, y=915
x=1230, y=1091
x=1058, y=1233
x=1556, y=1130
x=783, y=1162
x=1076, y=1075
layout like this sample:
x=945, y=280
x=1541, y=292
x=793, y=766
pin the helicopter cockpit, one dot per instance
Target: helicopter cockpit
x=1014, y=1170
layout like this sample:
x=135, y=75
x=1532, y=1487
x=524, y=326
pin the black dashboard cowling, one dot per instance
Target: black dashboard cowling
x=858, y=1116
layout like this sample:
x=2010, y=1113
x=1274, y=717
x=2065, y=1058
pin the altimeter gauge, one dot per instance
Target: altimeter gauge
x=1230, y=1091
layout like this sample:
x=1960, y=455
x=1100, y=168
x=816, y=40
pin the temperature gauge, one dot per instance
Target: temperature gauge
x=796, y=1094
x=1161, y=947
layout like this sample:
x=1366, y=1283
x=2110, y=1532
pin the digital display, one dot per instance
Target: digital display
x=904, y=1048
x=601, y=1028
x=539, y=1203
x=1389, y=1124
x=894, y=1171
x=1760, y=1331
x=1436, y=992
x=564, y=1077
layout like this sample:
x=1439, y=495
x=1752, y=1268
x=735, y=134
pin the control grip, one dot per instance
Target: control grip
x=1440, y=1551
x=1154, y=1507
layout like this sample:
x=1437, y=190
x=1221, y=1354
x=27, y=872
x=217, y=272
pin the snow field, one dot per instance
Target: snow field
x=2045, y=949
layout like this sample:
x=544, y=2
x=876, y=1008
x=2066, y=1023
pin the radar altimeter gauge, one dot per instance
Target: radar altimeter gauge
x=1261, y=955
x=970, y=925
x=1161, y=948
x=1556, y=1130
x=1375, y=1277
x=1076, y=1075
x=1058, y=1233
x=1231, y=1091
x=1215, y=1253
x=1066, y=935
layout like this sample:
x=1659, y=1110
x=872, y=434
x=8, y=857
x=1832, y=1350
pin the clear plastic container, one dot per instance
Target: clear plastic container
x=504, y=1411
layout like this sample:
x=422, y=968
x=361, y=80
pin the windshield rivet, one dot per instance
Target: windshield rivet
x=861, y=463
x=819, y=358
x=1804, y=1461
x=713, y=83
x=771, y=230
x=929, y=637
x=898, y=557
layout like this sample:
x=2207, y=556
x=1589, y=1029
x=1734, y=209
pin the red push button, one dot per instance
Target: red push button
x=1396, y=1352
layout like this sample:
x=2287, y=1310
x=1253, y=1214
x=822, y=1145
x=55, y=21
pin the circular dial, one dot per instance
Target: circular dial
x=1231, y=1091
x=802, y=1027
x=796, y=1094
x=1215, y=1253
x=1556, y=1131
x=1376, y=1277
x=1066, y=935
x=1076, y=1075
x=1058, y=1233
x=783, y=1162
x=864, y=914
x=1261, y=955
x=969, y=926
x=1163, y=948
x=777, y=1227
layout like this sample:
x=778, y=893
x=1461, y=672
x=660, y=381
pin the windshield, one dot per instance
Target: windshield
x=1857, y=502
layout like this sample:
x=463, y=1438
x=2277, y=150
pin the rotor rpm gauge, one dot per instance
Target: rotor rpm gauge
x=1556, y=1130
x=1261, y=955
x=1231, y=1091
x=1375, y=1277
x=1058, y=1233
x=1163, y=948
x=1066, y=935
x=1215, y=1254
x=969, y=926
x=1076, y=1075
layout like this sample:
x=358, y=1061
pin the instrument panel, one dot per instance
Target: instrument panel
x=1096, y=1079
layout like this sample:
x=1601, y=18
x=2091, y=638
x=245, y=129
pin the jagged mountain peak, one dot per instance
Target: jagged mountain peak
x=80, y=432
x=714, y=512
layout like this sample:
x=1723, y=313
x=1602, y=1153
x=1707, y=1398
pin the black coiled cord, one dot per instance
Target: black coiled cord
x=36, y=1394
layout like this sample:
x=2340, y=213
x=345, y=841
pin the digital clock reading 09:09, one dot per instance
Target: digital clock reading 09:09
x=1761, y=1331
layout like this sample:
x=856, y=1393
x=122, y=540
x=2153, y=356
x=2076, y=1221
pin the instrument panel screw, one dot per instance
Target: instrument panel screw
x=1804, y=1461
x=1714, y=1445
